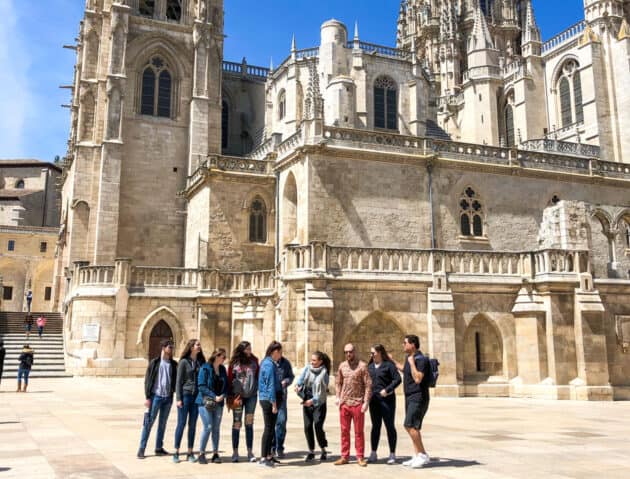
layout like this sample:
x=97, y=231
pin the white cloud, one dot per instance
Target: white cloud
x=15, y=94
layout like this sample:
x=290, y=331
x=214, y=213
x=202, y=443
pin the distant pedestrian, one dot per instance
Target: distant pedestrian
x=312, y=387
x=270, y=395
x=190, y=362
x=159, y=385
x=24, y=368
x=28, y=325
x=354, y=390
x=3, y=353
x=416, y=386
x=41, y=323
x=385, y=379
x=29, y=300
x=286, y=376
x=212, y=382
x=242, y=395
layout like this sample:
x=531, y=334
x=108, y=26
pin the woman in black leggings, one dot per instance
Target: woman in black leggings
x=385, y=379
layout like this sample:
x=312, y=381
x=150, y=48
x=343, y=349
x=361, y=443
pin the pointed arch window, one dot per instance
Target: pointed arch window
x=509, y=126
x=282, y=105
x=385, y=103
x=225, y=124
x=569, y=87
x=146, y=8
x=157, y=89
x=19, y=185
x=174, y=10
x=471, y=214
x=257, y=221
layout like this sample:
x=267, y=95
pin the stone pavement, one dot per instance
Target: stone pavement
x=84, y=428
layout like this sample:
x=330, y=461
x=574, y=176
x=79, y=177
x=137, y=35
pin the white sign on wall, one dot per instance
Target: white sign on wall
x=91, y=333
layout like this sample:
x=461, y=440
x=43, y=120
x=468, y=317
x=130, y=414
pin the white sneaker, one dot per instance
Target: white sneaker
x=373, y=458
x=392, y=459
x=420, y=461
x=409, y=462
x=251, y=457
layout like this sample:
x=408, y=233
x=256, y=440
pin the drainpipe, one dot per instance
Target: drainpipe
x=277, y=245
x=430, y=174
x=45, y=205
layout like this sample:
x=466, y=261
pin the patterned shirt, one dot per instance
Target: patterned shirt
x=354, y=385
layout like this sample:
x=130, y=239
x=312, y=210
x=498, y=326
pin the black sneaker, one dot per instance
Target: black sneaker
x=161, y=452
x=274, y=460
x=202, y=459
x=140, y=454
x=310, y=457
x=324, y=456
x=216, y=459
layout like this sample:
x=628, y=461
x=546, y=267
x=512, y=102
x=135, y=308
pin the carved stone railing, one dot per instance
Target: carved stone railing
x=151, y=277
x=564, y=262
x=239, y=164
x=307, y=53
x=563, y=147
x=453, y=100
x=563, y=37
x=572, y=157
x=383, y=50
x=487, y=71
x=320, y=258
x=95, y=276
x=292, y=142
x=514, y=71
x=237, y=282
x=245, y=70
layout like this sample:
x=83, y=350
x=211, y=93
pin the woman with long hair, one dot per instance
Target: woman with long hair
x=242, y=394
x=385, y=379
x=213, y=384
x=186, y=392
x=270, y=395
x=312, y=387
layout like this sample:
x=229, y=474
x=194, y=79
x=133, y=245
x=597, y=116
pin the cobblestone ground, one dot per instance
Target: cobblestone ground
x=90, y=428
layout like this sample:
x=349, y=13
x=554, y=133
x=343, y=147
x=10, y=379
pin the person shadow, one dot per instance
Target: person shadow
x=448, y=462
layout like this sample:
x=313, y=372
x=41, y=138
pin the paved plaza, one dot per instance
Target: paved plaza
x=84, y=428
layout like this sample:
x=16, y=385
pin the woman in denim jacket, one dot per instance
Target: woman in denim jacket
x=212, y=383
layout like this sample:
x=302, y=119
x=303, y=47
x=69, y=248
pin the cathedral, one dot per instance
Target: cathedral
x=469, y=185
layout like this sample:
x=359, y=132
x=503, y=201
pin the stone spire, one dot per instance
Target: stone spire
x=314, y=103
x=480, y=37
x=531, y=32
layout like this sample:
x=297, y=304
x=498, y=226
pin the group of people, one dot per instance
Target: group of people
x=28, y=325
x=205, y=387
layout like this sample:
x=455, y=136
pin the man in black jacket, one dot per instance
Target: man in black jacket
x=3, y=352
x=159, y=385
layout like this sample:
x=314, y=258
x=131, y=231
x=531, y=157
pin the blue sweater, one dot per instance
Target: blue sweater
x=268, y=382
x=206, y=382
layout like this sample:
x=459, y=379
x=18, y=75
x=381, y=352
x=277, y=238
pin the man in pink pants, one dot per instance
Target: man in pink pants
x=354, y=390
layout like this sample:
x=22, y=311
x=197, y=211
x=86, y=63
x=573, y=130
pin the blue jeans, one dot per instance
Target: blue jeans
x=281, y=427
x=162, y=406
x=23, y=373
x=211, y=425
x=249, y=406
x=188, y=412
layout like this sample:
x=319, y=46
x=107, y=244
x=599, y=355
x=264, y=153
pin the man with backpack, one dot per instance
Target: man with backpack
x=417, y=377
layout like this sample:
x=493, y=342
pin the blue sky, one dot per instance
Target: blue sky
x=33, y=63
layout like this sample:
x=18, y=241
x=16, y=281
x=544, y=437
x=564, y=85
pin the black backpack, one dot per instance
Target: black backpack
x=434, y=371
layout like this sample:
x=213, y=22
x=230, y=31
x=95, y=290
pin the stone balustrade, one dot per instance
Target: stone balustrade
x=320, y=258
x=564, y=37
x=95, y=276
x=151, y=277
x=203, y=281
x=567, y=157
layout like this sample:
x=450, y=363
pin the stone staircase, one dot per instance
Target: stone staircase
x=48, y=352
x=12, y=322
x=48, y=355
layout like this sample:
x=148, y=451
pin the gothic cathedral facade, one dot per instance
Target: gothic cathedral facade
x=469, y=185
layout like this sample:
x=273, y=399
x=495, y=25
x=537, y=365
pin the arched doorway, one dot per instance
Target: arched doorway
x=376, y=327
x=160, y=332
x=483, y=351
x=289, y=210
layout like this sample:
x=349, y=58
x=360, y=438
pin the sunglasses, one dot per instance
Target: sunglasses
x=372, y=353
x=348, y=352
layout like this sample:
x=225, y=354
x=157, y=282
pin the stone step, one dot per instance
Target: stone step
x=37, y=374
